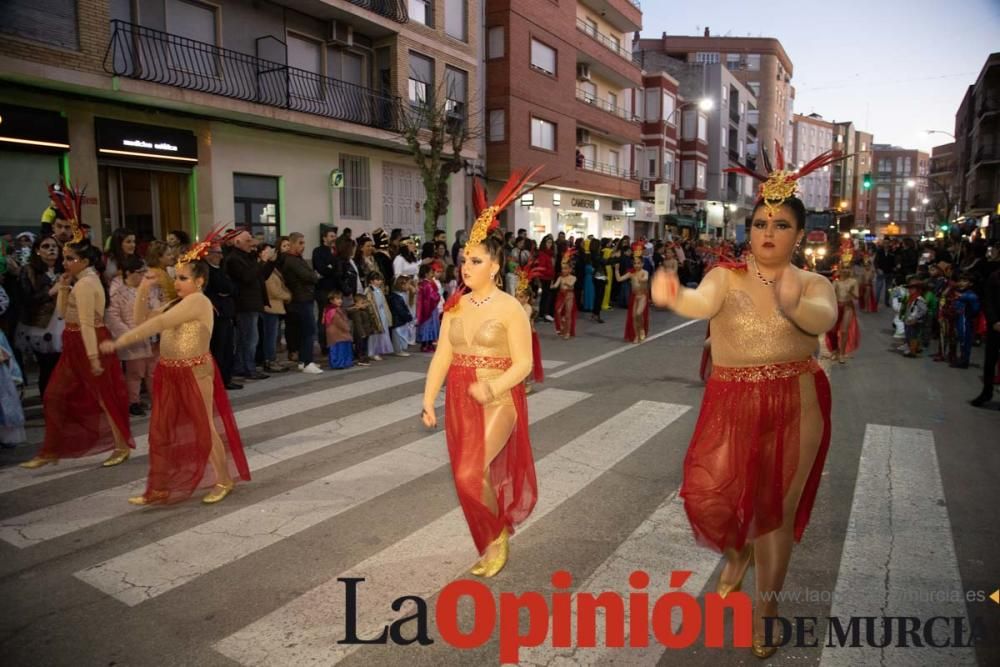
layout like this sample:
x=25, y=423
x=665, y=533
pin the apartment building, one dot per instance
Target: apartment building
x=180, y=114
x=560, y=92
x=977, y=132
x=942, y=184
x=900, y=190
x=864, y=213
x=812, y=136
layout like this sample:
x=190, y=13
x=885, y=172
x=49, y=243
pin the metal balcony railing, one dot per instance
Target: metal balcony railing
x=605, y=41
x=734, y=114
x=988, y=153
x=142, y=53
x=734, y=154
x=588, y=97
x=607, y=169
x=391, y=9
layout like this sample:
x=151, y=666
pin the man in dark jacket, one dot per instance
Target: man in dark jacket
x=219, y=290
x=991, y=307
x=301, y=282
x=248, y=273
x=323, y=260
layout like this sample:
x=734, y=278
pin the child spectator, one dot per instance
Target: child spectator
x=338, y=332
x=363, y=321
x=11, y=381
x=428, y=298
x=450, y=281
x=914, y=315
x=140, y=359
x=402, y=318
x=380, y=342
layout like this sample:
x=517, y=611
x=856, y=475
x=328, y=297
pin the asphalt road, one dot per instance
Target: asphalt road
x=348, y=484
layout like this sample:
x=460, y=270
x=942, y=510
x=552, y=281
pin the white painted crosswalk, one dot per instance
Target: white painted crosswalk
x=305, y=631
x=192, y=553
x=13, y=477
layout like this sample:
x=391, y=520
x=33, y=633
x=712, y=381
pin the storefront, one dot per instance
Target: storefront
x=33, y=148
x=147, y=178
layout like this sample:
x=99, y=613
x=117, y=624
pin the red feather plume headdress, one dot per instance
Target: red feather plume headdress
x=779, y=184
x=68, y=202
x=200, y=249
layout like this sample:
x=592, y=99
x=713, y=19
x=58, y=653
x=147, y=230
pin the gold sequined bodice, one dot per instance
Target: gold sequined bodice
x=743, y=335
x=186, y=340
x=488, y=344
x=89, y=285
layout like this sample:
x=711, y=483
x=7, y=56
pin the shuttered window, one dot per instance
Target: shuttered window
x=355, y=197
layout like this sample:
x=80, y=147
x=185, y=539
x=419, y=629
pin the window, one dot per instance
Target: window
x=589, y=91
x=422, y=11
x=753, y=61
x=494, y=42
x=456, y=83
x=421, y=78
x=255, y=201
x=668, y=166
x=543, y=134
x=613, y=161
x=689, y=124
x=700, y=183
x=652, y=104
x=53, y=22
x=498, y=122
x=707, y=58
x=456, y=19
x=195, y=21
x=615, y=43
x=591, y=27
x=732, y=61
x=724, y=136
x=725, y=93
x=687, y=174
x=702, y=128
x=355, y=197
x=651, y=160
x=668, y=106
x=543, y=57
x=612, y=101
x=305, y=54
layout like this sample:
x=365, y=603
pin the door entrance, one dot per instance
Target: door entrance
x=149, y=202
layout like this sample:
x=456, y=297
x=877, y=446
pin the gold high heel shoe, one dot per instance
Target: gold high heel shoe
x=38, y=462
x=489, y=567
x=117, y=457
x=218, y=492
x=724, y=589
x=148, y=499
x=764, y=651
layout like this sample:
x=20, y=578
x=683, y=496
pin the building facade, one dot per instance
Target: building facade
x=864, y=215
x=900, y=190
x=560, y=91
x=842, y=177
x=811, y=137
x=943, y=184
x=760, y=64
x=977, y=139
x=180, y=114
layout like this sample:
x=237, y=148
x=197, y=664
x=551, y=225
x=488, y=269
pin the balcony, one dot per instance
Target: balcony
x=615, y=171
x=589, y=98
x=142, y=53
x=988, y=153
x=734, y=113
x=752, y=130
x=605, y=41
x=625, y=15
x=391, y=9
x=734, y=155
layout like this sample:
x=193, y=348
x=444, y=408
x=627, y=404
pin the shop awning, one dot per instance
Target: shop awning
x=682, y=221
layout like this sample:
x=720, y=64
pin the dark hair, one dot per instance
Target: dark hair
x=181, y=235
x=86, y=250
x=375, y=275
x=345, y=247
x=131, y=264
x=199, y=269
x=335, y=294
x=427, y=250
x=36, y=262
x=795, y=205
x=115, y=248
x=547, y=237
x=424, y=271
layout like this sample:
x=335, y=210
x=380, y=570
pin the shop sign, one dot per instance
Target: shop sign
x=579, y=202
x=134, y=140
x=22, y=128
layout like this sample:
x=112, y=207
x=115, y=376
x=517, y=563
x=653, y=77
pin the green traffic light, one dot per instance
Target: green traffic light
x=867, y=183
x=944, y=228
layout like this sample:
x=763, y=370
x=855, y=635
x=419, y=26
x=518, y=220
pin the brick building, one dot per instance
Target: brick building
x=899, y=190
x=977, y=132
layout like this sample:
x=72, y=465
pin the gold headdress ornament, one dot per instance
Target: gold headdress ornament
x=200, y=249
x=525, y=274
x=779, y=185
x=68, y=202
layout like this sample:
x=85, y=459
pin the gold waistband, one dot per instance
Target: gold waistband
x=76, y=326
x=475, y=361
x=187, y=363
x=763, y=373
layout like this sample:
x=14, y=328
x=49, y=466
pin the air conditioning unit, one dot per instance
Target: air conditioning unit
x=582, y=136
x=582, y=72
x=339, y=34
x=644, y=185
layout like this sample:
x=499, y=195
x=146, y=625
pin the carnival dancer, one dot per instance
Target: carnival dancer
x=485, y=352
x=637, y=322
x=869, y=304
x=566, y=297
x=192, y=425
x=754, y=462
x=85, y=403
x=525, y=275
x=845, y=337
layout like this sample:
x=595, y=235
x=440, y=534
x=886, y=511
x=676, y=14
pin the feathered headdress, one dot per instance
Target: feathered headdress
x=569, y=255
x=777, y=185
x=525, y=274
x=68, y=202
x=486, y=214
x=200, y=249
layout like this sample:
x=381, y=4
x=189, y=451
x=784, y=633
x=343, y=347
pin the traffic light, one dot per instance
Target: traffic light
x=944, y=227
x=867, y=181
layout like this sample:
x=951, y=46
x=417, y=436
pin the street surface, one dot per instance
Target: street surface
x=348, y=483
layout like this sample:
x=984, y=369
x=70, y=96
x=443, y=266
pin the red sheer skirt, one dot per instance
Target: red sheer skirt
x=868, y=302
x=75, y=423
x=180, y=433
x=512, y=471
x=562, y=297
x=537, y=371
x=853, y=332
x=745, y=451
x=630, y=332
x=705, y=368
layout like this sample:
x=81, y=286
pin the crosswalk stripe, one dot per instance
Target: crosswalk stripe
x=57, y=520
x=899, y=551
x=305, y=630
x=13, y=477
x=185, y=556
x=663, y=542
x=552, y=363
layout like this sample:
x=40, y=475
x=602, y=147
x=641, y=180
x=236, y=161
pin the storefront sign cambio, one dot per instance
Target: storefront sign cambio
x=584, y=203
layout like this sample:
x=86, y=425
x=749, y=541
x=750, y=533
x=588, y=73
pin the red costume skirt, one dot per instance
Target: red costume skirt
x=512, y=471
x=180, y=439
x=537, y=371
x=630, y=332
x=745, y=451
x=853, y=333
x=705, y=369
x=560, y=302
x=75, y=423
x=869, y=303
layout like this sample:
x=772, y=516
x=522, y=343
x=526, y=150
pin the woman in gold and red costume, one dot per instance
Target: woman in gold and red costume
x=754, y=462
x=845, y=337
x=637, y=322
x=85, y=402
x=566, y=309
x=485, y=351
x=192, y=425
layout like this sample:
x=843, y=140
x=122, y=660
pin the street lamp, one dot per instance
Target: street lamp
x=885, y=215
x=732, y=208
x=705, y=104
x=910, y=183
x=944, y=132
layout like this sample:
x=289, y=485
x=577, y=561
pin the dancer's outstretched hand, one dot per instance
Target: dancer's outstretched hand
x=107, y=347
x=788, y=290
x=664, y=288
x=429, y=416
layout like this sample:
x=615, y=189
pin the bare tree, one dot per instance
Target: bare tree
x=435, y=131
x=942, y=201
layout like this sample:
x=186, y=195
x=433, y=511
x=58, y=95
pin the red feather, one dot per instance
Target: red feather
x=818, y=162
x=745, y=171
x=478, y=197
x=779, y=155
